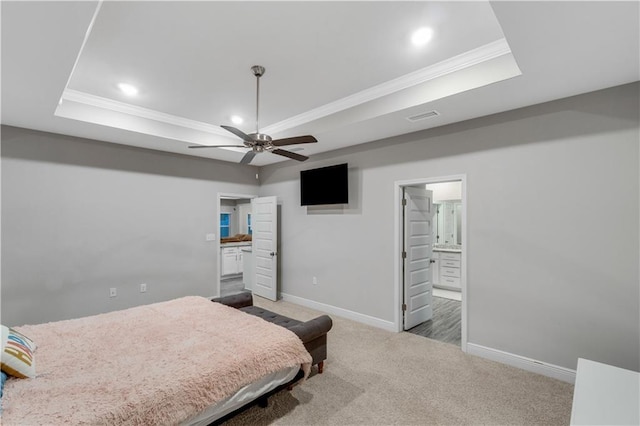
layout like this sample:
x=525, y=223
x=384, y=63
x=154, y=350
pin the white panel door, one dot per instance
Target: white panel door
x=264, y=226
x=418, y=238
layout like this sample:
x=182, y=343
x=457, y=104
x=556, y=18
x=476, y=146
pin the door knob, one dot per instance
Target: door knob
x=272, y=253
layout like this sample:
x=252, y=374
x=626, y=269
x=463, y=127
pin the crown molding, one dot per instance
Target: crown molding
x=456, y=63
x=465, y=60
x=146, y=113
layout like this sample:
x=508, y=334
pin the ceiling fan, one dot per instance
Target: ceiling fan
x=260, y=142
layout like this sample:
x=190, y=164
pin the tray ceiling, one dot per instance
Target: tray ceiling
x=336, y=70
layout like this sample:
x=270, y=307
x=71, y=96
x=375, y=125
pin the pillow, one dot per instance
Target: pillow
x=27, y=342
x=3, y=378
x=17, y=354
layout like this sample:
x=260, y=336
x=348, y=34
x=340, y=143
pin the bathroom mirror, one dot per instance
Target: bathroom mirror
x=449, y=222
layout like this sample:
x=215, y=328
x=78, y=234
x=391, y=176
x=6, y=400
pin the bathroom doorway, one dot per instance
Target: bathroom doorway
x=447, y=264
x=234, y=250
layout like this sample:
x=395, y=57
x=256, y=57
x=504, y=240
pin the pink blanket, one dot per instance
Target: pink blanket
x=150, y=365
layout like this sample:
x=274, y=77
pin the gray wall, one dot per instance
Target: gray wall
x=553, y=196
x=553, y=226
x=80, y=216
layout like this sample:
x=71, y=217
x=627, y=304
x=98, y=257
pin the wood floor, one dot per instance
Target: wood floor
x=445, y=325
x=231, y=286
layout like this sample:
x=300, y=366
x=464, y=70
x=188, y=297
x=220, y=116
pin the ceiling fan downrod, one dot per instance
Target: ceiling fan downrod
x=258, y=71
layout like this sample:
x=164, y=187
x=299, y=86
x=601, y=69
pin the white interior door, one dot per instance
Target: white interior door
x=264, y=224
x=417, y=253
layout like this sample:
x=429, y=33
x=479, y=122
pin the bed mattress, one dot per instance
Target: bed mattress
x=164, y=363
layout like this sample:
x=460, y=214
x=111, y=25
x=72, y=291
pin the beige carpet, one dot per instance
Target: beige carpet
x=375, y=377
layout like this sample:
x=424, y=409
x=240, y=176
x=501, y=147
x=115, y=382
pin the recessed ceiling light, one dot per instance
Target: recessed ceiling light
x=128, y=89
x=421, y=36
x=235, y=119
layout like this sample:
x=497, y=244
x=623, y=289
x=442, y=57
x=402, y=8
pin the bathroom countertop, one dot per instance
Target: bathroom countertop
x=451, y=248
x=236, y=244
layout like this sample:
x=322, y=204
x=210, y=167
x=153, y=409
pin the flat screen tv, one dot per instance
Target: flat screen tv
x=326, y=185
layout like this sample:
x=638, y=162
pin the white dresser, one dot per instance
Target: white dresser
x=605, y=395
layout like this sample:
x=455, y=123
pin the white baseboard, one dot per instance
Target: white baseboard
x=528, y=364
x=345, y=313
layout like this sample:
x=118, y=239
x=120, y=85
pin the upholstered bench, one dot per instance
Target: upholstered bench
x=313, y=333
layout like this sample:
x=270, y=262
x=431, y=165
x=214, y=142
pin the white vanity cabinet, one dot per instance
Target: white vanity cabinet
x=448, y=270
x=231, y=260
x=435, y=268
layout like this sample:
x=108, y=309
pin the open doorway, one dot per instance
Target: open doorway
x=436, y=263
x=248, y=251
x=234, y=251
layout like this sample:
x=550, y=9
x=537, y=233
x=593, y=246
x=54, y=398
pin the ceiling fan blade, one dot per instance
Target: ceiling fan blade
x=217, y=146
x=239, y=133
x=290, y=154
x=294, y=140
x=248, y=157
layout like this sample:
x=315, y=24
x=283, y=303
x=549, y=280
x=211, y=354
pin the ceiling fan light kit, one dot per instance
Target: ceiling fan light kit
x=259, y=142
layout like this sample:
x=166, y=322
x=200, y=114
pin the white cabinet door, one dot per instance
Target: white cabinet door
x=229, y=261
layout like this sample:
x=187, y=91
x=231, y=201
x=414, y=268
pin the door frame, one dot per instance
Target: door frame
x=220, y=196
x=398, y=279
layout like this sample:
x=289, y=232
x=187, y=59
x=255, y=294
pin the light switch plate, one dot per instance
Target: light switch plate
x=210, y=237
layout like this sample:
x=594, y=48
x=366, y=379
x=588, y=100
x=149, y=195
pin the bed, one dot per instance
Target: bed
x=186, y=361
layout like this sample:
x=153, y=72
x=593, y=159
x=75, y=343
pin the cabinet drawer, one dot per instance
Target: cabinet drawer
x=450, y=272
x=450, y=281
x=449, y=263
x=450, y=256
x=229, y=250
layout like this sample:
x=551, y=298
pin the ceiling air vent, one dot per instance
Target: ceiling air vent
x=423, y=116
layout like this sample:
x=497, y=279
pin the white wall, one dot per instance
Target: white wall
x=533, y=175
x=230, y=207
x=238, y=209
x=81, y=216
x=244, y=208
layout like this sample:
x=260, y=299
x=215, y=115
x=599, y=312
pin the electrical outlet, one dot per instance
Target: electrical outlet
x=113, y=292
x=143, y=288
x=315, y=281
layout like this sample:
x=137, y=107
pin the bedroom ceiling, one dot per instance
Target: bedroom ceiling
x=345, y=72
